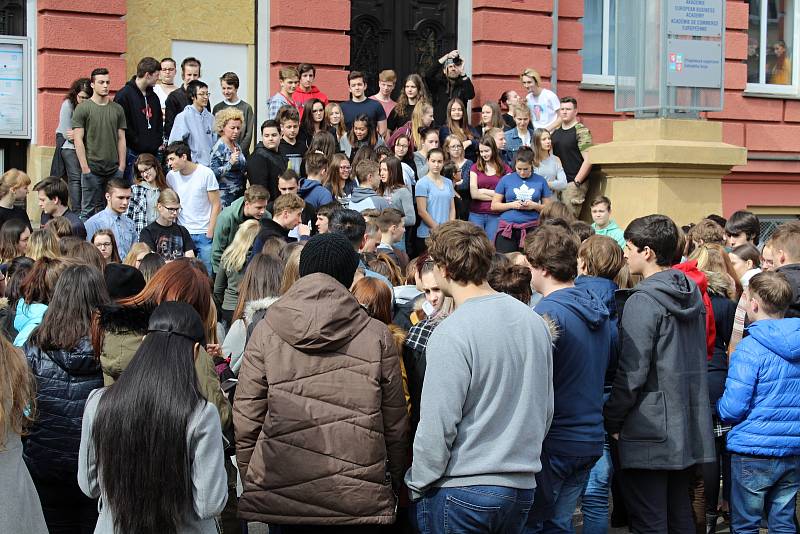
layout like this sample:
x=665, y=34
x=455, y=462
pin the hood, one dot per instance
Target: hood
x=78, y=361
x=583, y=303
x=27, y=313
x=132, y=85
x=674, y=291
x=792, y=272
x=117, y=319
x=312, y=91
x=603, y=288
x=720, y=284
x=362, y=193
x=317, y=315
x=250, y=308
x=405, y=294
x=307, y=185
x=781, y=336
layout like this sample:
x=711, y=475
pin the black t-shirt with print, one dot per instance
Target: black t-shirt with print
x=170, y=242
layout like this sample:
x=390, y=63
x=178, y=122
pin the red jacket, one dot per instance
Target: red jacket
x=300, y=96
x=689, y=268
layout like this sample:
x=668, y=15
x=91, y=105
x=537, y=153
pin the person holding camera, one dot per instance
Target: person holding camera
x=446, y=80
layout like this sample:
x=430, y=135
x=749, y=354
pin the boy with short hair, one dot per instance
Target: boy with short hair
x=742, y=227
x=581, y=356
x=390, y=223
x=324, y=214
x=365, y=196
x=360, y=104
x=386, y=81
x=195, y=124
x=603, y=223
x=762, y=393
x=54, y=202
x=266, y=163
x=658, y=414
x=289, y=78
x=290, y=147
x=287, y=216
x=785, y=243
x=311, y=188
x=229, y=83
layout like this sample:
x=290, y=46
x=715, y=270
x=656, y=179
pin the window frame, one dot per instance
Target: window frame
x=604, y=78
x=757, y=88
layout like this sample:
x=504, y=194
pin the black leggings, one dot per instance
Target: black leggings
x=505, y=245
x=66, y=509
x=711, y=474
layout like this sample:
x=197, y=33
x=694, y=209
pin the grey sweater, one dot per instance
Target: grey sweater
x=209, y=480
x=401, y=199
x=487, y=398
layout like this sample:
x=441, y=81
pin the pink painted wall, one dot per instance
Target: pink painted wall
x=74, y=38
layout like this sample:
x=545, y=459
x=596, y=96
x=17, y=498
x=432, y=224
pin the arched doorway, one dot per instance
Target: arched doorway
x=404, y=36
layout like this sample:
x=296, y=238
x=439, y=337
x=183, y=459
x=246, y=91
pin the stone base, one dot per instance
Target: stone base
x=668, y=166
x=39, y=160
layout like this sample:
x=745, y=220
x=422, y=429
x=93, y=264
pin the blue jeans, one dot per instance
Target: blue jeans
x=487, y=221
x=93, y=192
x=130, y=160
x=558, y=486
x=202, y=245
x=478, y=509
x=763, y=486
x=594, y=503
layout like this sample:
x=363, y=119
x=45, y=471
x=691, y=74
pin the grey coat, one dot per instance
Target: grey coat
x=20, y=509
x=659, y=399
x=208, y=478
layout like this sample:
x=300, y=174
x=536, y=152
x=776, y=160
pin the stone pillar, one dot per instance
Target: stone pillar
x=668, y=166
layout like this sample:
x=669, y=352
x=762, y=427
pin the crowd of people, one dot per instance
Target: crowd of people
x=288, y=335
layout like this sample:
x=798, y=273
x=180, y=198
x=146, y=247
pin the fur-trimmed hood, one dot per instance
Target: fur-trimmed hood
x=125, y=319
x=254, y=306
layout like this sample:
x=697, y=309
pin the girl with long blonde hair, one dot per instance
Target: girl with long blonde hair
x=232, y=266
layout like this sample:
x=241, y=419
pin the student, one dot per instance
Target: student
x=289, y=79
x=179, y=98
x=164, y=418
x=421, y=119
x=54, y=200
x=472, y=388
x=149, y=181
x=542, y=102
x=341, y=345
x=312, y=121
x=114, y=218
x=392, y=226
x=365, y=196
x=66, y=370
x=267, y=163
x=359, y=104
x=339, y=180
x=519, y=196
x=291, y=147
x=195, y=124
x=658, y=414
x=760, y=394
x=785, y=243
x=393, y=189
x=106, y=244
x=491, y=117
x=484, y=176
x=306, y=90
x=545, y=163
x=414, y=90
x=742, y=227
x=457, y=124
x=324, y=214
x=228, y=161
x=581, y=355
x=430, y=140
x=165, y=236
x=361, y=134
x=454, y=151
x=435, y=197
x=571, y=141
x=145, y=128
x=522, y=134
x=229, y=83
x=507, y=100
x=166, y=82
x=252, y=205
x=500, y=140
x=401, y=151
x=65, y=160
x=335, y=118
x=288, y=209
x=98, y=126
x=386, y=81
x=231, y=269
x=198, y=190
x=13, y=188
x=311, y=189
x=603, y=224
x=746, y=261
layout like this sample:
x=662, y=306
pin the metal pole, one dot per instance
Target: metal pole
x=554, y=51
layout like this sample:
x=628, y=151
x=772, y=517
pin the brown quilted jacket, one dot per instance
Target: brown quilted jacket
x=319, y=413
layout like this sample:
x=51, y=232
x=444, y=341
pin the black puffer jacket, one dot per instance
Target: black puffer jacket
x=64, y=381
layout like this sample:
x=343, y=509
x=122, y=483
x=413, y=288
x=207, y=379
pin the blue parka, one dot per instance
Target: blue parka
x=762, y=391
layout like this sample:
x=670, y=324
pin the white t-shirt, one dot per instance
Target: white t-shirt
x=544, y=108
x=193, y=191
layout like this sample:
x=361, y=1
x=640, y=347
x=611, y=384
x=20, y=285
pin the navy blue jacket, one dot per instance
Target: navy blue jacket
x=604, y=289
x=64, y=380
x=762, y=392
x=314, y=193
x=580, y=359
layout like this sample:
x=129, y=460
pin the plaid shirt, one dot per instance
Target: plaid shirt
x=137, y=207
x=277, y=102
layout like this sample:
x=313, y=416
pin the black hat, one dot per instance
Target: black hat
x=123, y=280
x=331, y=254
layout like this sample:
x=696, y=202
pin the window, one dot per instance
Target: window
x=599, y=30
x=771, y=39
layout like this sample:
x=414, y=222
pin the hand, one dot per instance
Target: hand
x=615, y=436
x=214, y=350
x=70, y=134
x=518, y=205
x=85, y=170
x=304, y=230
x=466, y=144
x=234, y=157
x=210, y=234
x=122, y=168
x=453, y=54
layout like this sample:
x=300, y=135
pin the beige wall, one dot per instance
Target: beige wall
x=153, y=24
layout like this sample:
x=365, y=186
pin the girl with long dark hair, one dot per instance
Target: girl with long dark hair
x=17, y=270
x=14, y=237
x=66, y=371
x=483, y=178
x=69, y=166
x=338, y=180
x=414, y=91
x=363, y=133
x=395, y=191
x=458, y=124
x=149, y=181
x=151, y=445
x=37, y=289
x=313, y=119
x=401, y=148
x=106, y=243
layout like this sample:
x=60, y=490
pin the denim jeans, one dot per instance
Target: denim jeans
x=478, y=509
x=487, y=221
x=558, y=486
x=130, y=159
x=202, y=245
x=763, y=486
x=73, y=167
x=594, y=503
x=93, y=192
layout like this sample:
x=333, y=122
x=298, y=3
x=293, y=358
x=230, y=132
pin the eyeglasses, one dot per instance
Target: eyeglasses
x=147, y=170
x=102, y=245
x=199, y=95
x=172, y=210
x=344, y=167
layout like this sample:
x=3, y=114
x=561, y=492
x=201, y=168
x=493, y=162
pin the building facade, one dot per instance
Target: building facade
x=570, y=42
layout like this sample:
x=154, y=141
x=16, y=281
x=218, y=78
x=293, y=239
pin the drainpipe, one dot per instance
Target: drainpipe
x=554, y=51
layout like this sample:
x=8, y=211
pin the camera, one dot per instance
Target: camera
x=457, y=61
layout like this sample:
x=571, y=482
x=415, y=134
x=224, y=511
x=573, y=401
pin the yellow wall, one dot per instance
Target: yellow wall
x=153, y=24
